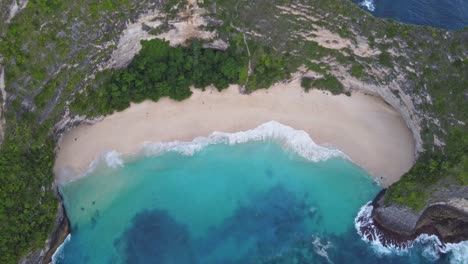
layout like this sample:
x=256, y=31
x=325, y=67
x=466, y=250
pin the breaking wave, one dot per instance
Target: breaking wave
x=58, y=255
x=368, y=4
x=111, y=158
x=431, y=246
x=297, y=141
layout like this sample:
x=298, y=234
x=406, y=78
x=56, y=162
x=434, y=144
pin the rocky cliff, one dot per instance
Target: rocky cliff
x=55, y=239
x=417, y=70
x=447, y=219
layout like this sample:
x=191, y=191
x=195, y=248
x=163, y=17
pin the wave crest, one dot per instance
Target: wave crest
x=58, y=254
x=296, y=140
x=432, y=246
x=368, y=4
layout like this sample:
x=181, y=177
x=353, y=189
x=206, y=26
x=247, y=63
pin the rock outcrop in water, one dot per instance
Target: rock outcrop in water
x=404, y=81
x=448, y=220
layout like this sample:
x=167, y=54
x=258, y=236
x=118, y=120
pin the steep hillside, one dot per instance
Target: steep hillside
x=67, y=58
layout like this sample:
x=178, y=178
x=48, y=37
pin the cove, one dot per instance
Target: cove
x=253, y=202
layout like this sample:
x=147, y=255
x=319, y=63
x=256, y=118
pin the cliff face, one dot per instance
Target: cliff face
x=331, y=37
x=449, y=223
x=55, y=239
x=394, y=94
x=447, y=219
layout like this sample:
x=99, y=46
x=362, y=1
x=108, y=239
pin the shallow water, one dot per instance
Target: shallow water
x=449, y=14
x=253, y=202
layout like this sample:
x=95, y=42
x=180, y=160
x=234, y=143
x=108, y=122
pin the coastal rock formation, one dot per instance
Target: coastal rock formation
x=448, y=220
x=392, y=94
x=188, y=24
x=399, y=64
x=10, y=9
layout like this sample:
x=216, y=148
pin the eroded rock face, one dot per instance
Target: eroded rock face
x=449, y=223
x=447, y=220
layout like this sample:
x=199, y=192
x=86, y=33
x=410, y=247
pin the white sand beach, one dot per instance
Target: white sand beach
x=369, y=131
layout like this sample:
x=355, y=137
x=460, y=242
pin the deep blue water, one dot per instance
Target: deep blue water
x=248, y=203
x=449, y=14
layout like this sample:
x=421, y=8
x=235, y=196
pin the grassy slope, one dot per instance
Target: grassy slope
x=433, y=63
x=52, y=46
x=47, y=51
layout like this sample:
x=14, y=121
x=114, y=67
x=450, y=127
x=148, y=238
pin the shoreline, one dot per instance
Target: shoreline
x=428, y=227
x=363, y=127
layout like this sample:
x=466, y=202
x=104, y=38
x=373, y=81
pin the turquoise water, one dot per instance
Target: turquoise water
x=247, y=203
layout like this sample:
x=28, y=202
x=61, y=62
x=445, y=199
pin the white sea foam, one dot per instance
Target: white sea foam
x=111, y=158
x=459, y=252
x=322, y=249
x=432, y=247
x=296, y=140
x=369, y=4
x=364, y=220
x=58, y=255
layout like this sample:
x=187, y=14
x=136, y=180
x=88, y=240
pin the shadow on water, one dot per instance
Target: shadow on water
x=271, y=228
x=270, y=225
x=156, y=237
x=269, y=173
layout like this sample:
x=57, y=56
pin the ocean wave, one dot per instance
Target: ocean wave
x=368, y=232
x=368, y=4
x=111, y=158
x=58, y=254
x=296, y=140
x=459, y=252
x=431, y=246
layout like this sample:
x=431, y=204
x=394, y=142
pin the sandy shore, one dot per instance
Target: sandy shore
x=370, y=132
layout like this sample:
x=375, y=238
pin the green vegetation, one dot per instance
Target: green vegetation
x=268, y=67
x=439, y=166
x=328, y=83
x=315, y=67
x=431, y=169
x=28, y=206
x=307, y=83
x=385, y=59
x=35, y=46
x=42, y=45
x=357, y=71
x=160, y=70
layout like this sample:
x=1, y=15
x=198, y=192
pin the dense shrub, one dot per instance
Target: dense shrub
x=160, y=70
x=329, y=83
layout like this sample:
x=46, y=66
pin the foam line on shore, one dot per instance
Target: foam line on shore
x=370, y=132
x=290, y=139
x=58, y=253
x=296, y=140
